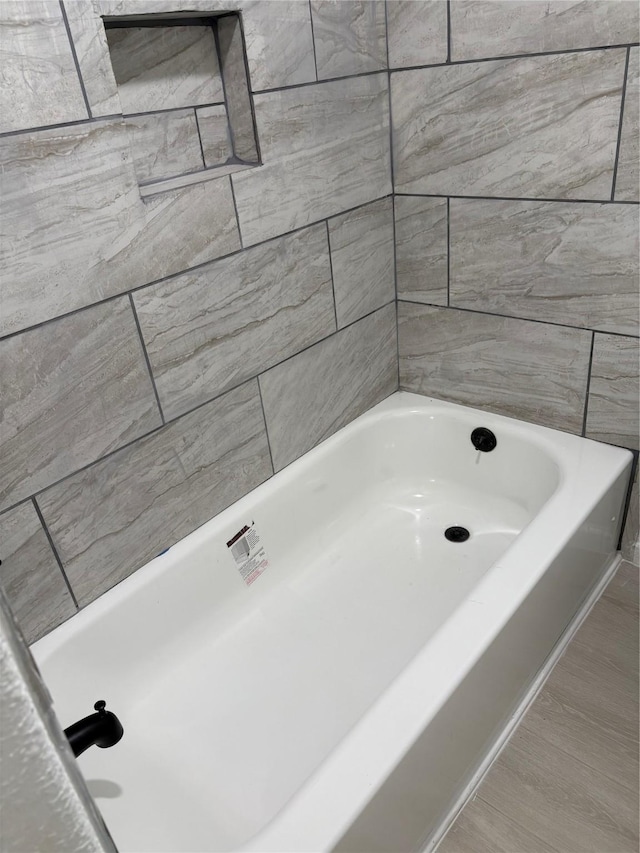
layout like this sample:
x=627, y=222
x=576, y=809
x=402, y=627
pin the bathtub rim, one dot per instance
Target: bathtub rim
x=302, y=824
x=397, y=404
x=320, y=811
x=532, y=692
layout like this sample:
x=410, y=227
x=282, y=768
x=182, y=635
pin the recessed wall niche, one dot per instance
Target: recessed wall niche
x=184, y=90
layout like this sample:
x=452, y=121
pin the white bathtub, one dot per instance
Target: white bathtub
x=348, y=698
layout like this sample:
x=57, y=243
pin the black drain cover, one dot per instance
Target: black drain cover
x=456, y=534
x=483, y=439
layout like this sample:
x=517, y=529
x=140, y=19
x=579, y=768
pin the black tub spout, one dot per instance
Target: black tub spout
x=102, y=729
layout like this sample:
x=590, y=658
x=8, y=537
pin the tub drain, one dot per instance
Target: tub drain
x=456, y=534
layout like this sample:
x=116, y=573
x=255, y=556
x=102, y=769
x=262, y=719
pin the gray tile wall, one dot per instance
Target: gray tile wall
x=236, y=90
x=134, y=333
x=160, y=357
x=534, y=127
x=350, y=37
x=515, y=158
x=164, y=144
x=324, y=148
x=163, y=68
x=310, y=396
x=362, y=260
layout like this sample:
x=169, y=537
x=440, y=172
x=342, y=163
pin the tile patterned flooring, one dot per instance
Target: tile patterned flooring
x=567, y=782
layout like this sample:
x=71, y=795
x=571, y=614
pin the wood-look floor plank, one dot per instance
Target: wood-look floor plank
x=610, y=638
x=482, y=829
x=553, y=795
x=563, y=722
x=567, y=782
x=624, y=588
x=599, y=692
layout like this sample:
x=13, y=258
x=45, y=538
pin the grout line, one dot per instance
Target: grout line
x=522, y=319
x=448, y=62
x=195, y=114
x=511, y=56
x=448, y=253
x=279, y=363
x=189, y=269
x=391, y=163
x=321, y=341
x=146, y=357
x=55, y=551
x=266, y=428
x=75, y=59
x=395, y=249
x=247, y=73
x=398, y=341
x=627, y=502
x=453, y=62
x=586, y=393
x=395, y=282
x=321, y=82
x=61, y=125
x=386, y=29
x=63, y=316
x=168, y=423
x=87, y=466
x=235, y=207
x=174, y=109
x=539, y=200
x=216, y=40
x=333, y=284
x=393, y=197
x=313, y=42
x=622, y=100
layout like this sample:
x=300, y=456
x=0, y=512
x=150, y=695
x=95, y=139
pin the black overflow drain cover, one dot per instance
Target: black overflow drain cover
x=456, y=534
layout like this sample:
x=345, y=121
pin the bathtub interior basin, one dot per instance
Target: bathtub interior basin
x=244, y=660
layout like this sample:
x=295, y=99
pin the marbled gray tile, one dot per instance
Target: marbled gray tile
x=83, y=175
x=160, y=68
x=122, y=8
x=325, y=149
x=613, y=412
x=539, y=127
x=277, y=33
x=421, y=249
x=631, y=530
x=417, y=32
x=110, y=519
x=214, y=135
x=531, y=371
x=211, y=329
x=38, y=80
x=30, y=575
x=149, y=191
x=165, y=144
x=236, y=85
x=362, y=259
x=310, y=396
x=349, y=36
x=487, y=28
x=92, y=51
x=628, y=176
x=575, y=264
x=89, y=37
x=72, y=391
x=279, y=43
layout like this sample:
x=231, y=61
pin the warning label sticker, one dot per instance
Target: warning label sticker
x=248, y=553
